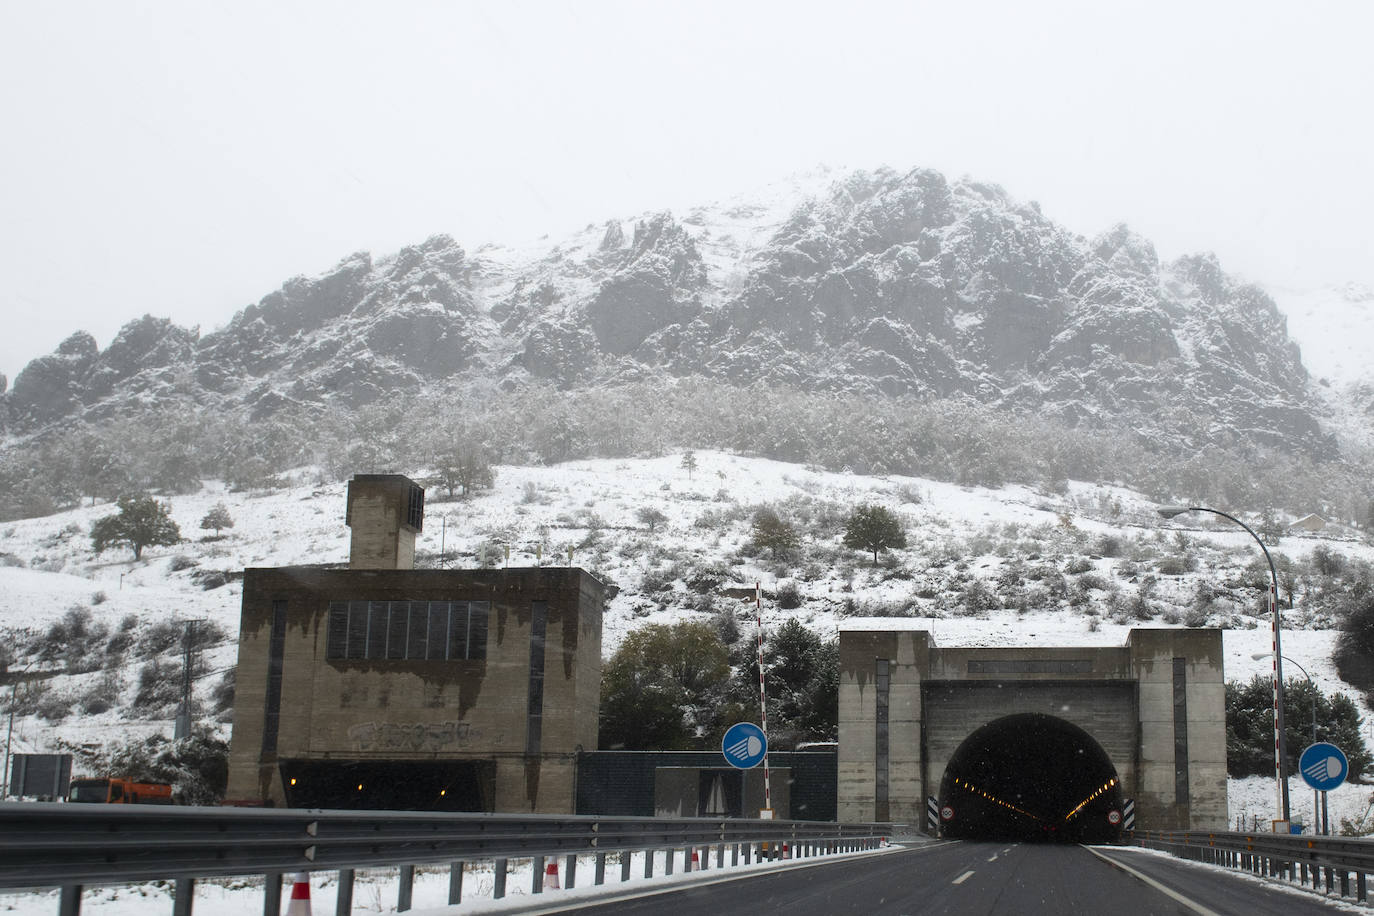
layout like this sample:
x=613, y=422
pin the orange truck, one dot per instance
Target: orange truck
x=119, y=792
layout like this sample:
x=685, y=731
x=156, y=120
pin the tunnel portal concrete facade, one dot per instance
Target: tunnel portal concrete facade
x=1157, y=707
x=385, y=686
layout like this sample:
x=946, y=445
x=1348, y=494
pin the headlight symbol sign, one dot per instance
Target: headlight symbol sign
x=1323, y=766
x=744, y=745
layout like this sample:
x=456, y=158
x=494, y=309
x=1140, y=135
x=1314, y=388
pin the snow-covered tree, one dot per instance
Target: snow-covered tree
x=873, y=528
x=141, y=522
x=217, y=518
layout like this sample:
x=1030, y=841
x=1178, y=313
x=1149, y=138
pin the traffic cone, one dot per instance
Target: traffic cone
x=300, y=896
x=696, y=862
x=786, y=851
x=551, y=876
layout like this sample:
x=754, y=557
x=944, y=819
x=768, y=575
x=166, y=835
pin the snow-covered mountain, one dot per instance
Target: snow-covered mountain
x=877, y=283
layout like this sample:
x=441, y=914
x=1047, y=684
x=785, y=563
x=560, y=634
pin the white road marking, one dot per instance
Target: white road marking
x=993, y=857
x=1190, y=904
x=962, y=878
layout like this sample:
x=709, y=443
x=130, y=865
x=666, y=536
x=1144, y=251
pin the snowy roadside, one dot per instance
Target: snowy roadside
x=375, y=890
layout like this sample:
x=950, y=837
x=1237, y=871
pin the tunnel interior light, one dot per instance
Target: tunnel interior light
x=293, y=780
x=1074, y=812
x=974, y=790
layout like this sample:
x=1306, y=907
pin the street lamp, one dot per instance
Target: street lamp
x=1280, y=748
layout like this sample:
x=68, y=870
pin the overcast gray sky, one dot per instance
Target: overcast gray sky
x=184, y=158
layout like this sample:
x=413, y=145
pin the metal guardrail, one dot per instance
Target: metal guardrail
x=1319, y=862
x=70, y=846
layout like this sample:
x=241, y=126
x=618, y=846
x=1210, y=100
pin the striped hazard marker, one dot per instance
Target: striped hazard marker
x=300, y=896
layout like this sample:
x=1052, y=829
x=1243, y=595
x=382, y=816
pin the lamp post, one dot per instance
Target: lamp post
x=1280, y=748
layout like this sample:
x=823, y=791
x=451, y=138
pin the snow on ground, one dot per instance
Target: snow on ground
x=594, y=506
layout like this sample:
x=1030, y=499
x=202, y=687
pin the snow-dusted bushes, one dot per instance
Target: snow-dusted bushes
x=197, y=767
x=73, y=641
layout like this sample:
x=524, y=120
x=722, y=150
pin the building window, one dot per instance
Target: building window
x=415, y=508
x=408, y=630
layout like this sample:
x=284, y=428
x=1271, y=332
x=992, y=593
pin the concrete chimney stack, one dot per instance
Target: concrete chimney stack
x=385, y=512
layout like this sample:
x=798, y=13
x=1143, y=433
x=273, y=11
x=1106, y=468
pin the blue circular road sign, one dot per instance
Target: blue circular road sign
x=1323, y=766
x=744, y=745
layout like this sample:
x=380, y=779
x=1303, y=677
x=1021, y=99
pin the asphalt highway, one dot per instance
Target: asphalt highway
x=985, y=878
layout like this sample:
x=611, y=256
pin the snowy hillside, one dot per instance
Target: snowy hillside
x=982, y=567
x=1334, y=326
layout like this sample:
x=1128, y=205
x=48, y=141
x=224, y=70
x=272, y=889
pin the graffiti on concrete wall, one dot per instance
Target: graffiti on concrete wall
x=418, y=736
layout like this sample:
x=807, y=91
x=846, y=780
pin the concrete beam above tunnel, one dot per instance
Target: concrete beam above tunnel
x=1155, y=706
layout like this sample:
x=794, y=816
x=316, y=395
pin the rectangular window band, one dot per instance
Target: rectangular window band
x=407, y=630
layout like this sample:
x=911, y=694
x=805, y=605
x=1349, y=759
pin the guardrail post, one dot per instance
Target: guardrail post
x=648, y=863
x=687, y=858
x=271, y=894
x=1361, y=891
x=455, y=882
x=185, y=890
x=570, y=879
x=734, y=855
x=343, y=903
x=599, y=873
x=1345, y=883
x=69, y=904
x=537, y=880
x=403, y=895
x=1330, y=880
x=667, y=862
x=625, y=858
x=498, y=879
x=720, y=856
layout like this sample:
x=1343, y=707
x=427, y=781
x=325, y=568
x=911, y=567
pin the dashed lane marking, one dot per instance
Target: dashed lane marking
x=962, y=878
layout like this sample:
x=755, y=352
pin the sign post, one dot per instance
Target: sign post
x=1324, y=767
x=745, y=746
x=763, y=701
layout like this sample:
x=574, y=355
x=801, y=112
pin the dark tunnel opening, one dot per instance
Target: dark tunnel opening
x=1031, y=777
x=389, y=785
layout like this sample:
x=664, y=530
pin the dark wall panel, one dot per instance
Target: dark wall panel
x=621, y=783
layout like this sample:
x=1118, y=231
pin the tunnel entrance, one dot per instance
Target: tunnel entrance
x=1030, y=777
x=390, y=785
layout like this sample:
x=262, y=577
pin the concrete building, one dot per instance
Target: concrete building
x=384, y=686
x=1079, y=730
x=1311, y=522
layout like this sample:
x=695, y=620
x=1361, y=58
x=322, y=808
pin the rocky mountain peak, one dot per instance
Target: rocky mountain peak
x=882, y=283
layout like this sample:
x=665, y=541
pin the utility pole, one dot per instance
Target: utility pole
x=183, y=720
x=9, y=733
